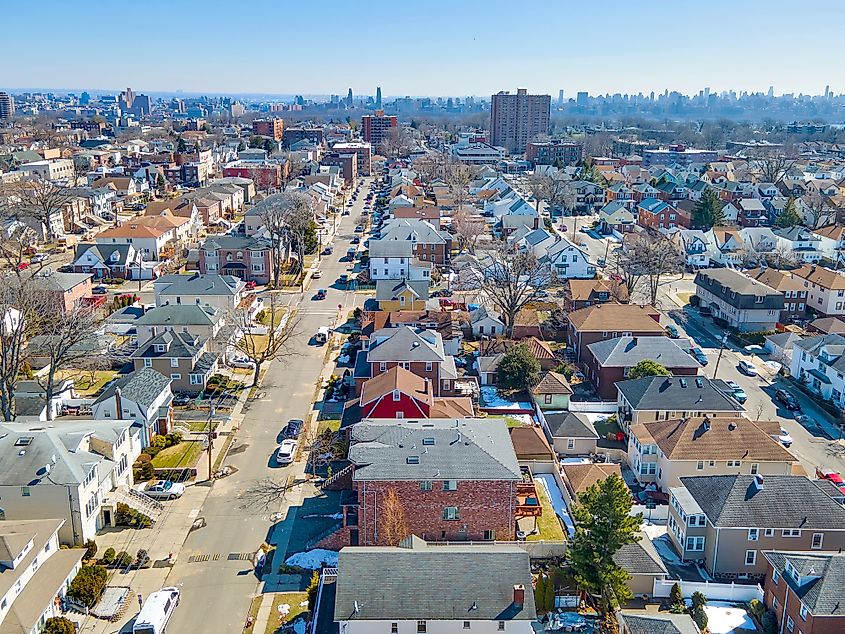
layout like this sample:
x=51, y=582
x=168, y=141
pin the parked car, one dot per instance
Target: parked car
x=747, y=368
x=38, y=257
x=250, y=285
x=286, y=451
x=355, y=240
x=317, y=274
x=65, y=268
x=672, y=331
x=833, y=476
x=163, y=489
x=23, y=265
x=320, y=294
x=99, y=290
x=737, y=392
x=293, y=428
x=788, y=401
x=784, y=438
x=699, y=355
x=327, y=251
x=242, y=362
x=359, y=229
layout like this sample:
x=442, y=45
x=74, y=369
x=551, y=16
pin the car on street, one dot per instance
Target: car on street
x=672, y=331
x=320, y=294
x=746, y=367
x=163, y=489
x=359, y=229
x=355, y=240
x=286, y=451
x=784, y=438
x=99, y=290
x=787, y=400
x=737, y=392
x=699, y=355
x=832, y=476
x=38, y=257
x=317, y=274
x=242, y=362
x=327, y=251
x=293, y=428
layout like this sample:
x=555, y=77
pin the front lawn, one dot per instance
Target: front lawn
x=548, y=523
x=293, y=599
x=183, y=455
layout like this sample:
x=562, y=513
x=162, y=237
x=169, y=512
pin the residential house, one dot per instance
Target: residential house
x=693, y=245
x=150, y=236
x=534, y=241
x=660, y=623
x=832, y=242
x=751, y=213
x=36, y=573
x=726, y=246
x=179, y=355
x=739, y=301
x=247, y=258
x=418, y=350
x=429, y=244
x=780, y=345
x=794, y=293
x=394, y=260
x=609, y=361
x=663, y=451
x=825, y=289
x=66, y=472
x=582, y=293
x=446, y=322
x=616, y=218
x=803, y=244
x=143, y=397
x=570, y=433
x=540, y=349
x=485, y=324
x=394, y=295
x=552, y=392
x=460, y=476
x=178, y=208
x=608, y=321
x=200, y=320
x=826, y=326
x=673, y=397
x=224, y=292
x=653, y=213
x=416, y=587
x=580, y=476
x=107, y=261
x=729, y=520
x=804, y=590
x=819, y=363
x=63, y=292
x=566, y=260
x=643, y=564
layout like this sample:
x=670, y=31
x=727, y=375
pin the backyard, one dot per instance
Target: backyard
x=548, y=523
x=82, y=383
x=280, y=615
x=183, y=455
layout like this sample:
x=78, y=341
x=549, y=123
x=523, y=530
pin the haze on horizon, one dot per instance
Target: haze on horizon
x=433, y=48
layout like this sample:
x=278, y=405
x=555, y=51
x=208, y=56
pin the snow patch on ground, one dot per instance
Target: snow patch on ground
x=313, y=559
x=491, y=398
x=525, y=419
x=344, y=358
x=284, y=609
x=653, y=531
x=556, y=498
x=665, y=550
x=724, y=618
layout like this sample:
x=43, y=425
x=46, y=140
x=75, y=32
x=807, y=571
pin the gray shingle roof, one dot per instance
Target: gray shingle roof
x=570, y=425
x=679, y=394
x=229, y=241
x=198, y=284
x=628, y=351
x=390, y=289
x=181, y=315
x=142, y=386
x=433, y=583
x=406, y=344
x=390, y=249
x=176, y=345
x=782, y=502
x=433, y=449
x=823, y=576
x=640, y=558
x=658, y=623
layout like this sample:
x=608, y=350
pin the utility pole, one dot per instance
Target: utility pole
x=140, y=267
x=210, y=440
x=721, y=350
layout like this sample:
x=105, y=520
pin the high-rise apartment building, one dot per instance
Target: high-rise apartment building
x=376, y=128
x=378, y=97
x=517, y=119
x=274, y=128
x=7, y=106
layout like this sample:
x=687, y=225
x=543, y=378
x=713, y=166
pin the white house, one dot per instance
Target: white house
x=832, y=242
x=801, y=242
x=568, y=261
x=485, y=324
x=67, y=471
x=221, y=291
x=394, y=260
x=143, y=396
x=819, y=362
x=693, y=246
x=825, y=289
x=726, y=246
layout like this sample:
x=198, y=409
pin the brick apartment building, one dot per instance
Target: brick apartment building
x=554, y=152
x=273, y=128
x=364, y=151
x=609, y=321
x=295, y=135
x=348, y=164
x=654, y=213
x=457, y=480
x=264, y=175
x=517, y=119
x=376, y=128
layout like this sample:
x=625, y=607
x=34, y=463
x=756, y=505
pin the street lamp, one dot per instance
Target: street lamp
x=721, y=350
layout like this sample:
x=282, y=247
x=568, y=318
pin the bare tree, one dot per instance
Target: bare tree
x=292, y=170
x=323, y=449
x=772, y=165
x=18, y=304
x=817, y=210
x=560, y=194
x=286, y=219
x=40, y=200
x=459, y=177
x=468, y=229
x=538, y=187
x=510, y=280
x=260, y=347
x=648, y=257
x=393, y=524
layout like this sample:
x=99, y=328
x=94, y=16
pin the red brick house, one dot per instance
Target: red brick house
x=582, y=293
x=608, y=321
x=804, y=589
x=247, y=258
x=429, y=243
x=456, y=479
x=653, y=213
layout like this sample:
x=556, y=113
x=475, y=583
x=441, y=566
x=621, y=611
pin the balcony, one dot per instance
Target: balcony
x=527, y=500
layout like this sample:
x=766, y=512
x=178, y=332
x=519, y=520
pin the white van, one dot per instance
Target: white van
x=159, y=606
x=322, y=334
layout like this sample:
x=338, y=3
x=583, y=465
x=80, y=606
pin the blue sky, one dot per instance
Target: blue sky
x=433, y=47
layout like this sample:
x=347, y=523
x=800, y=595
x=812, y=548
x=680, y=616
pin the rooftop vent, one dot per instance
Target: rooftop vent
x=23, y=441
x=413, y=460
x=428, y=441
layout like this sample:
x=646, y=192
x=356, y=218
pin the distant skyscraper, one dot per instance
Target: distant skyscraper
x=134, y=104
x=7, y=106
x=582, y=98
x=560, y=98
x=378, y=97
x=84, y=99
x=517, y=119
x=349, y=98
x=771, y=91
x=827, y=93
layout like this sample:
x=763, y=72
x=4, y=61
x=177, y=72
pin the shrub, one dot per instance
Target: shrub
x=769, y=622
x=126, y=516
x=173, y=438
x=311, y=591
x=142, y=558
x=152, y=451
x=122, y=559
x=58, y=625
x=90, y=549
x=142, y=458
x=757, y=608
x=88, y=585
x=144, y=469
x=676, y=600
x=159, y=442
x=108, y=556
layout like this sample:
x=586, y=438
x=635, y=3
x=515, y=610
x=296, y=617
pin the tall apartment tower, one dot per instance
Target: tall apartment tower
x=378, y=97
x=376, y=128
x=517, y=119
x=560, y=98
x=7, y=106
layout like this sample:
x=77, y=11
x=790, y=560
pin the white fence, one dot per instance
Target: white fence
x=710, y=589
x=594, y=407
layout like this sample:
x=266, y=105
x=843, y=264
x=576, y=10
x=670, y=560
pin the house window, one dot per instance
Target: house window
x=425, y=485
x=700, y=465
x=489, y=535
x=421, y=627
x=428, y=366
x=196, y=379
x=769, y=532
x=466, y=625
x=753, y=534
x=818, y=538
x=159, y=347
x=450, y=513
x=397, y=395
x=382, y=366
x=175, y=377
x=394, y=628
x=750, y=557
x=804, y=612
x=775, y=576
x=695, y=544
x=450, y=485
x=501, y=626
x=148, y=363
x=25, y=492
x=734, y=463
x=547, y=399
x=570, y=443
x=791, y=532
x=790, y=624
x=174, y=363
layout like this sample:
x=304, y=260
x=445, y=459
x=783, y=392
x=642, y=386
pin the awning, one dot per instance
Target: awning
x=821, y=376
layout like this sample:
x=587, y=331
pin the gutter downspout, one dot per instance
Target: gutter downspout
x=716, y=551
x=785, y=603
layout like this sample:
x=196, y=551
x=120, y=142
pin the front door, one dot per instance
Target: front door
x=353, y=537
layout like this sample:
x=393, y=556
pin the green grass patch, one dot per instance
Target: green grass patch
x=511, y=422
x=293, y=599
x=82, y=381
x=202, y=425
x=607, y=426
x=332, y=425
x=684, y=297
x=183, y=455
x=548, y=523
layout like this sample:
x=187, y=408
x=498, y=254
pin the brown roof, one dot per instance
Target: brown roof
x=396, y=378
x=527, y=317
x=819, y=275
x=778, y=280
x=452, y=407
x=728, y=438
x=552, y=383
x=583, y=290
x=540, y=349
x=834, y=232
x=530, y=443
x=828, y=325
x=616, y=317
x=583, y=476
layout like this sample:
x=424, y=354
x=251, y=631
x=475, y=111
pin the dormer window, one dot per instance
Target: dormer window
x=397, y=395
x=160, y=347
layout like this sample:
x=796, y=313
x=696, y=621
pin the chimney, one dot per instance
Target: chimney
x=634, y=340
x=706, y=424
x=519, y=595
x=758, y=481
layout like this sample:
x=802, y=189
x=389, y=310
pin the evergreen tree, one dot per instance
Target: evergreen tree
x=788, y=216
x=647, y=367
x=707, y=212
x=676, y=599
x=549, y=595
x=518, y=369
x=181, y=146
x=697, y=611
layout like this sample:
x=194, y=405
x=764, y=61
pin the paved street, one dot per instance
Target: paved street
x=218, y=588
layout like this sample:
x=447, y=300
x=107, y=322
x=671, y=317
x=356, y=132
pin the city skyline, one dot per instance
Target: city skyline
x=570, y=49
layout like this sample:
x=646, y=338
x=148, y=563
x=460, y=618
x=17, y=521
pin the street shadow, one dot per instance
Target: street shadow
x=313, y=519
